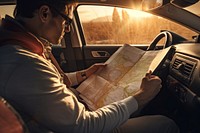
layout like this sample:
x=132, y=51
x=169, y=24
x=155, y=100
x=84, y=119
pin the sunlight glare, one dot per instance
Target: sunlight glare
x=136, y=14
x=89, y=13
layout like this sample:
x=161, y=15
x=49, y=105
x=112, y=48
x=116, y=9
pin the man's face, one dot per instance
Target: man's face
x=57, y=24
x=56, y=30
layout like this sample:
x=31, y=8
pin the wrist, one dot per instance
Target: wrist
x=140, y=99
x=83, y=75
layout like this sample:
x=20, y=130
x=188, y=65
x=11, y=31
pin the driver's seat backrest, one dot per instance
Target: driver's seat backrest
x=10, y=121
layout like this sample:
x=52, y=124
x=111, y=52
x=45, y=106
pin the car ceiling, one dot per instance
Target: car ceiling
x=122, y=3
x=5, y=2
x=179, y=15
x=170, y=11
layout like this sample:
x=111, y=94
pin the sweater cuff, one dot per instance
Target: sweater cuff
x=131, y=104
x=73, y=78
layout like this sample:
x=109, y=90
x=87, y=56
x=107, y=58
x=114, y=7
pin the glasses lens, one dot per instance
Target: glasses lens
x=65, y=16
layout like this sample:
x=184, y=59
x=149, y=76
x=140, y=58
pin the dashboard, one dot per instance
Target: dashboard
x=182, y=81
x=179, y=99
x=184, y=75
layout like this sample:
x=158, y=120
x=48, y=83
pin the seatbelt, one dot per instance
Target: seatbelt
x=69, y=53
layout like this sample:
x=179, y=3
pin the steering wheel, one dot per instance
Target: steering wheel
x=168, y=40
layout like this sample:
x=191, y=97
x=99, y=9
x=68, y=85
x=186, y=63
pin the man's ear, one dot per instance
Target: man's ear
x=44, y=13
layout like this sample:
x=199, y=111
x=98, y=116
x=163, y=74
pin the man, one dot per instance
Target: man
x=33, y=83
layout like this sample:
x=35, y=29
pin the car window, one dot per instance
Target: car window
x=103, y=25
x=6, y=9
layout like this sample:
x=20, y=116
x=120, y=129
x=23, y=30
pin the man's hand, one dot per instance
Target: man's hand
x=149, y=88
x=84, y=74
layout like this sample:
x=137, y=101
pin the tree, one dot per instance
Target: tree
x=125, y=17
x=125, y=26
x=116, y=24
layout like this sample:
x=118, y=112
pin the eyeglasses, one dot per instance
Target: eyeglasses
x=65, y=17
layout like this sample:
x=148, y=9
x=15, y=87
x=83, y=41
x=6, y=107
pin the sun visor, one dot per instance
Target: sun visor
x=134, y=4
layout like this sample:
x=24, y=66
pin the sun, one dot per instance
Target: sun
x=138, y=14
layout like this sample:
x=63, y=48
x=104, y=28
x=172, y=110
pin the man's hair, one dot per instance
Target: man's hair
x=26, y=8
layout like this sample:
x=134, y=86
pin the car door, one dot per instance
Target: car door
x=102, y=31
x=98, y=30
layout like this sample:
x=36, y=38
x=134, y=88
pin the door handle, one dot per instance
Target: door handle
x=100, y=54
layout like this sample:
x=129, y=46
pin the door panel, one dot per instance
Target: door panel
x=98, y=40
x=97, y=54
x=90, y=59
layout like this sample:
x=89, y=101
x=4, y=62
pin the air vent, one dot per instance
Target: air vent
x=176, y=63
x=188, y=69
x=182, y=68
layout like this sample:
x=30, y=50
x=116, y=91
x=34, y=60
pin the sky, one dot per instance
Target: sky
x=88, y=13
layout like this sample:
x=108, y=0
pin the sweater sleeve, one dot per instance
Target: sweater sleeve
x=73, y=78
x=36, y=88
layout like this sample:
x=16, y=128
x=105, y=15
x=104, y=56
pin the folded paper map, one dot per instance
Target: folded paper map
x=119, y=79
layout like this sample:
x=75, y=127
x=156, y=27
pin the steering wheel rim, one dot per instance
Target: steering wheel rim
x=168, y=40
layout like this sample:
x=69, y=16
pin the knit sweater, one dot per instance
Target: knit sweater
x=34, y=86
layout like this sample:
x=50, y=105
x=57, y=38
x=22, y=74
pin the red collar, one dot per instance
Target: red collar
x=11, y=31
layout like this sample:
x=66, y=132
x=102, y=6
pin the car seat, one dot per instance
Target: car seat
x=10, y=121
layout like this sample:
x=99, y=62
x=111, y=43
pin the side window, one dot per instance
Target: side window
x=104, y=25
x=6, y=9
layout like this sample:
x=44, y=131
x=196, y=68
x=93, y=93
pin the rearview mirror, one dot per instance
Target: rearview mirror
x=153, y=4
x=184, y=3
